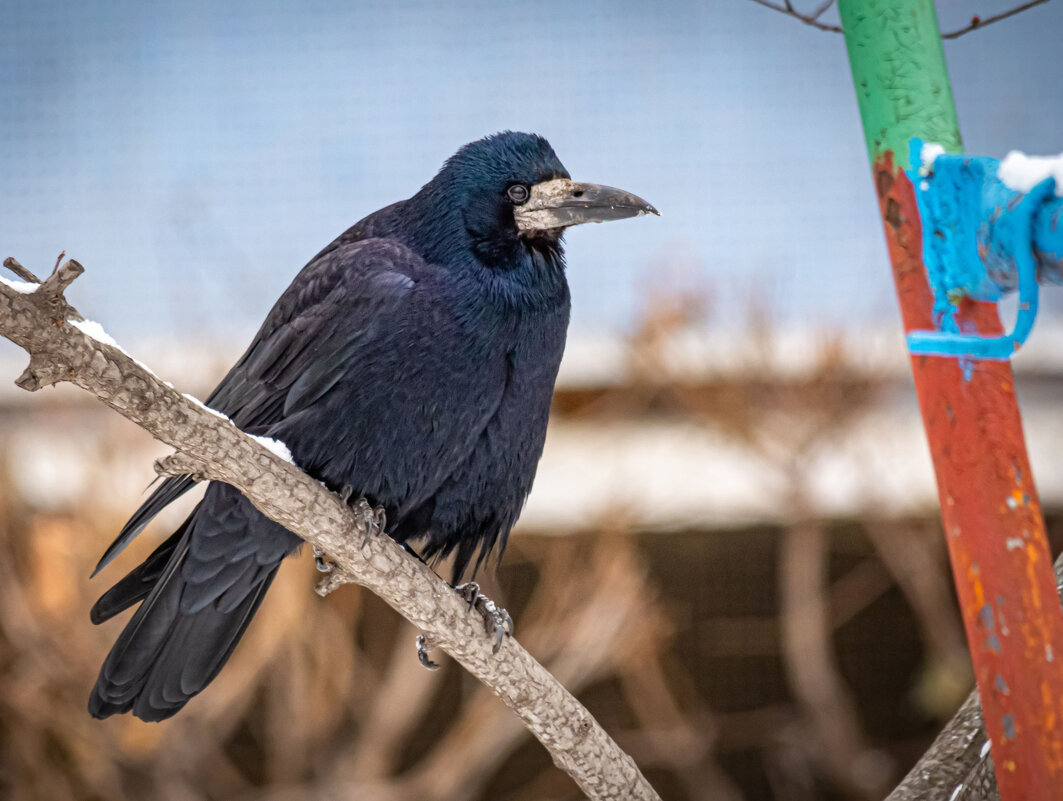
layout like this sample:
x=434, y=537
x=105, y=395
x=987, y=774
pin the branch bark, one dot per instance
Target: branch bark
x=63, y=347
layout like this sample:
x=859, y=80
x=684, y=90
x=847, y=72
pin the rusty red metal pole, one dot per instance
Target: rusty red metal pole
x=993, y=522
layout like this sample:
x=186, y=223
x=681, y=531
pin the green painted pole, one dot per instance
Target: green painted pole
x=992, y=516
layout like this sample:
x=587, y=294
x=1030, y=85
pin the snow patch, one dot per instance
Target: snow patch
x=1022, y=173
x=202, y=405
x=275, y=446
x=927, y=154
x=23, y=287
x=95, y=331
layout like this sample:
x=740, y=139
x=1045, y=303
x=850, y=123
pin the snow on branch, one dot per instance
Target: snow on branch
x=63, y=346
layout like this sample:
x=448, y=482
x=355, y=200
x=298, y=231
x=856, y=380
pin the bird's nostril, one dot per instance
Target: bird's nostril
x=578, y=193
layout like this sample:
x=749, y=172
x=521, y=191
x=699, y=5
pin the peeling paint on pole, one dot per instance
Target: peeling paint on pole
x=992, y=516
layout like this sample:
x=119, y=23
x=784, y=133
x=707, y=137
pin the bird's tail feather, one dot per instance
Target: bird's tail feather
x=140, y=581
x=164, y=656
x=166, y=493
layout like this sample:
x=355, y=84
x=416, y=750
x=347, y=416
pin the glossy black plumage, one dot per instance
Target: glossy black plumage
x=411, y=361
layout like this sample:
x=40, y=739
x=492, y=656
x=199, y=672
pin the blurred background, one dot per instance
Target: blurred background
x=732, y=552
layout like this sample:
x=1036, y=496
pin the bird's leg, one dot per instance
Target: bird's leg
x=497, y=621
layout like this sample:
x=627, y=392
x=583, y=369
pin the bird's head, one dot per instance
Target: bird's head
x=513, y=194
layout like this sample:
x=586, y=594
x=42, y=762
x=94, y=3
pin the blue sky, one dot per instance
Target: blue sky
x=194, y=155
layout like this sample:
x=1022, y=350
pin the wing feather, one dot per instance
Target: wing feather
x=308, y=341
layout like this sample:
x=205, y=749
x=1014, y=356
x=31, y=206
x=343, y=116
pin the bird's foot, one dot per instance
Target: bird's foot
x=373, y=521
x=373, y=518
x=497, y=621
x=334, y=575
x=423, y=647
x=322, y=561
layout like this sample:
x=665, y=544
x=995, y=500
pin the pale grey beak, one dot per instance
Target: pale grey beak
x=560, y=203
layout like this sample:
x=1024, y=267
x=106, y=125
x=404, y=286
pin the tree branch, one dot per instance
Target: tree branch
x=64, y=347
x=812, y=18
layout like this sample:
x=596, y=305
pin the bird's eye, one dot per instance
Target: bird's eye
x=517, y=194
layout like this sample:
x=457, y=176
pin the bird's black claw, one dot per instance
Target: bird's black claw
x=422, y=653
x=497, y=621
x=375, y=522
x=345, y=493
x=321, y=561
x=499, y=633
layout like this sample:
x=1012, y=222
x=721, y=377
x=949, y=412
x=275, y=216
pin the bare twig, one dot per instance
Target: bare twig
x=38, y=319
x=812, y=18
x=809, y=19
x=822, y=8
x=977, y=22
x=20, y=271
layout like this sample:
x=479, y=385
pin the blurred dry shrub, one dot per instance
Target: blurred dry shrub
x=322, y=697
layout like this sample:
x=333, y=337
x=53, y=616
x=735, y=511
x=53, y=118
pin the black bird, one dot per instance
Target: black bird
x=412, y=363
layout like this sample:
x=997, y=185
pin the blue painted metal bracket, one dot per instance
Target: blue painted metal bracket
x=982, y=239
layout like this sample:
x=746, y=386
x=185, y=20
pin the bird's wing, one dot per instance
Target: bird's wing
x=308, y=342
x=316, y=325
